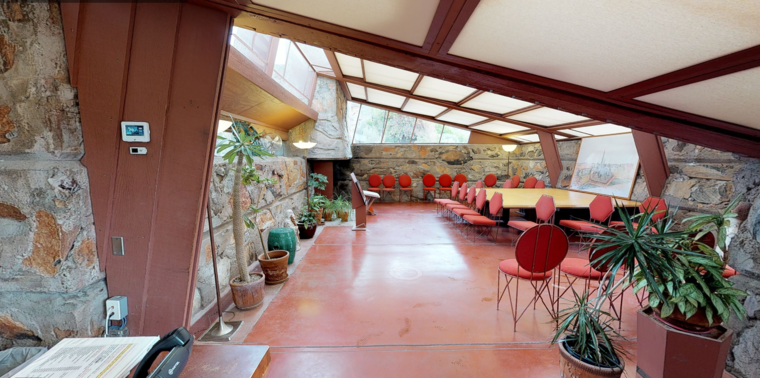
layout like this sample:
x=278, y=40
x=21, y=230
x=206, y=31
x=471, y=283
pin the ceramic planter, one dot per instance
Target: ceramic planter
x=276, y=267
x=344, y=216
x=328, y=215
x=248, y=295
x=570, y=366
x=306, y=233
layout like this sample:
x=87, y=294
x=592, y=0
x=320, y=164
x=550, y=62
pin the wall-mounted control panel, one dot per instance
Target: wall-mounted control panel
x=138, y=150
x=135, y=131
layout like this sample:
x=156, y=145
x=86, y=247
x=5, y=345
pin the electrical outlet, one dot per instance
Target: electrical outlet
x=118, y=306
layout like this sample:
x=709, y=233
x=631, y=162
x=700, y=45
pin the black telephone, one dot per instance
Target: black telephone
x=179, y=343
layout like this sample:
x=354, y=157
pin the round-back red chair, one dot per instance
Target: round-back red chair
x=428, y=186
x=530, y=182
x=460, y=178
x=374, y=183
x=389, y=183
x=479, y=184
x=405, y=186
x=539, y=250
x=490, y=180
x=444, y=182
x=540, y=185
x=507, y=184
x=515, y=181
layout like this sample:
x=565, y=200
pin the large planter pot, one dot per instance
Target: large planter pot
x=276, y=267
x=571, y=366
x=283, y=238
x=664, y=351
x=248, y=295
x=696, y=323
x=306, y=233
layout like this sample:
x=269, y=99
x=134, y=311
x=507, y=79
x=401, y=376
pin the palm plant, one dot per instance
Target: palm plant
x=241, y=149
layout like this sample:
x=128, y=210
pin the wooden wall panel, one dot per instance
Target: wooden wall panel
x=551, y=156
x=326, y=168
x=654, y=162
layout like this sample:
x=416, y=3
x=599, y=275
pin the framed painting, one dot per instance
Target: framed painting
x=606, y=165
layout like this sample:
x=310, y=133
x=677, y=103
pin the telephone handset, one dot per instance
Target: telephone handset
x=179, y=343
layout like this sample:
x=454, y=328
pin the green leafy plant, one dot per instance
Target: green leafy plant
x=307, y=217
x=702, y=224
x=241, y=149
x=318, y=202
x=317, y=181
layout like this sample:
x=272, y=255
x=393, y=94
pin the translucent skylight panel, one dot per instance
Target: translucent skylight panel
x=491, y=102
x=460, y=117
x=349, y=65
x=442, y=90
x=398, y=128
x=385, y=98
x=223, y=126
x=499, y=127
x=547, y=117
x=357, y=91
x=530, y=138
x=559, y=137
x=427, y=132
x=573, y=132
x=389, y=76
x=315, y=55
x=421, y=107
x=455, y=135
x=605, y=129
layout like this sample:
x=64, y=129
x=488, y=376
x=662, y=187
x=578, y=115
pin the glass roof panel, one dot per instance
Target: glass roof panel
x=460, y=117
x=499, y=127
x=389, y=76
x=547, y=117
x=455, y=135
x=573, y=132
x=492, y=102
x=349, y=65
x=421, y=107
x=442, y=90
x=530, y=138
x=605, y=129
x=315, y=55
x=384, y=98
x=357, y=91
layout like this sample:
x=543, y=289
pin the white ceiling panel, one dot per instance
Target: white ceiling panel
x=357, y=91
x=491, y=102
x=349, y=65
x=499, y=127
x=733, y=98
x=547, y=117
x=402, y=20
x=606, y=44
x=389, y=76
x=575, y=133
x=442, y=90
x=424, y=108
x=605, y=129
x=527, y=138
x=460, y=117
x=385, y=98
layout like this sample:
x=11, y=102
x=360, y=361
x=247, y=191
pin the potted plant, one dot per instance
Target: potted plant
x=240, y=149
x=319, y=203
x=343, y=208
x=589, y=347
x=307, y=223
x=317, y=181
x=329, y=210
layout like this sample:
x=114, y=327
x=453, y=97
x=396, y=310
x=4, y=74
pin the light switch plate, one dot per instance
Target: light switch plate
x=117, y=245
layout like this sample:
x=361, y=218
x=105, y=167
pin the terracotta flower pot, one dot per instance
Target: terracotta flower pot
x=248, y=295
x=276, y=268
x=344, y=216
x=570, y=366
x=319, y=215
x=306, y=233
x=328, y=215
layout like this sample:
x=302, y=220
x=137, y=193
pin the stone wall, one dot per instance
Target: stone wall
x=51, y=286
x=274, y=201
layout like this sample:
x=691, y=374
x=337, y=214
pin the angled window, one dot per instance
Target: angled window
x=454, y=135
x=427, y=132
x=399, y=128
x=369, y=128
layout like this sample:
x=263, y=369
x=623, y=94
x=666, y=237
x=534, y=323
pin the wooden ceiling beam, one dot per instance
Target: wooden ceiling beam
x=572, y=125
x=470, y=97
x=521, y=110
x=416, y=84
x=444, y=18
x=456, y=27
x=338, y=73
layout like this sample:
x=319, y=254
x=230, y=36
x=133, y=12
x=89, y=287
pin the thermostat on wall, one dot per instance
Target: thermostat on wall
x=135, y=131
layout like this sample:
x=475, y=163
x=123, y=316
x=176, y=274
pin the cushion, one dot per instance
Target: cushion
x=581, y=225
x=521, y=225
x=389, y=180
x=479, y=220
x=375, y=180
x=462, y=212
x=389, y=189
x=428, y=180
x=370, y=194
x=455, y=205
x=513, y=269
x=579, y=268
x=405, y=181
x=374, y=189
x=442, y=201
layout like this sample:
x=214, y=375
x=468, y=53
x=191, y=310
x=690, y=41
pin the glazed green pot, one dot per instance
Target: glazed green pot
x=283, y=238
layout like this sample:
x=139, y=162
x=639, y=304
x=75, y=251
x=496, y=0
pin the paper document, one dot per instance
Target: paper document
x=111, y=357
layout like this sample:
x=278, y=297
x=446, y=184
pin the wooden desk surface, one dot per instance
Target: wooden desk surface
x=526, y=198
x=227, y=360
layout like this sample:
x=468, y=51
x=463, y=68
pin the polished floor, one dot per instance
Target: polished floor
x=410, y=297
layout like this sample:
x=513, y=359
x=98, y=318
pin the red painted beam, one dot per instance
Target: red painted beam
x=551, y=156
x=653, y=161
x=464, y=15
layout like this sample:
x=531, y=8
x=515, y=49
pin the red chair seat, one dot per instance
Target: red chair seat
x=465, y=211
x=729, y=272
x=389, y=189
x=443, y=201
x=521, y=225
x=429, y=189
x=579, y=268
x=512, y=268
x=581, y=225
x=373, y=189
x=456, y=205
x=619, y=223
x=479, y=220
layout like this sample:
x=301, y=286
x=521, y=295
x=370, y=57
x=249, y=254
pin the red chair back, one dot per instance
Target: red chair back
x=479, y=184
x=463, y=192
x=601, y=208
x=545, y=208
x=480, y=201
x=507, y=184
x=460, y=178
x=540, y=185
x=428, y=180
x=490, y=180
x=405, y=181
x=541, y=248
x=496, y=203
x=374, y=181
x=454, y=191
x=389, y=181
x=471, y=195
x=530, y=182
x=445, y=181
x=515, y=181
x=655, y=205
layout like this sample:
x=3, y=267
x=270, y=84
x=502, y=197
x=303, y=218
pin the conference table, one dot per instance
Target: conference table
x=521, y=198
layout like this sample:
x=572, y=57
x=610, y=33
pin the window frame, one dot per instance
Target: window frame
x=416, y=119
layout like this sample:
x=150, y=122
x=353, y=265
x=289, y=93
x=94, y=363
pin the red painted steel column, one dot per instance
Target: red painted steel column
x=551, y=156
x=654, y=163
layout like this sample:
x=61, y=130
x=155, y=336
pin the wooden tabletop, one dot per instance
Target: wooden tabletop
x=526, y=198
x=227, y=360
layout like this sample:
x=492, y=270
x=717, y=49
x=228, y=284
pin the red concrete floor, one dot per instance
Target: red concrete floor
x=410, y=297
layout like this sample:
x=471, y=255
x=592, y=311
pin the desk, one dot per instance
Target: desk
x=227, y=360
x=563, y=199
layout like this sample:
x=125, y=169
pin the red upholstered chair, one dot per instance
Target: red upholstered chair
x=530, y=182
x=428, y=186
x=540, y=184
x=515, y=181
x=389, y=183
x=490, y=180
x=600, y=210
x=405, y=186
x=374, y=183
x=479, y=184
x=444, y=182
x=461, y=198
x=484, y=225
x=460, y=178
x=461, y=212
x=654, y=205
x=507, y=184
x=539, y=250
x=544, y=214
x=442, y=202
